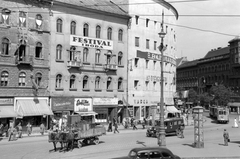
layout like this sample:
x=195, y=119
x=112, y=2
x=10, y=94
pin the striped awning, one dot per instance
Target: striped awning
x=7, y=112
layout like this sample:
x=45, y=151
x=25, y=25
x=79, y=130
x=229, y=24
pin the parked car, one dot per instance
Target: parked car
x=151, y=153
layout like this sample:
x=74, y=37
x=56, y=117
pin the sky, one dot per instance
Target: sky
x=195, y=44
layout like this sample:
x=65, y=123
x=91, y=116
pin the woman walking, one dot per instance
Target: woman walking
x=29, y=129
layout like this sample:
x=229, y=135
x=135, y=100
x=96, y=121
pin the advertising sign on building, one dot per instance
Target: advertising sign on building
x=6, y=101
x=91, y=42
x=83, y=105
x=105, y=101
x=62, y=103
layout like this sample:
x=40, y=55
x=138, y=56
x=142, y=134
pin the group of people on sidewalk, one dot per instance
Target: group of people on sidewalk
x=111, y=124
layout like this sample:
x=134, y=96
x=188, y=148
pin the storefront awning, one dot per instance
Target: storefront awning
x=234, y=104
x=32, y=107
x=7, y=112
x=87, y=113
x=172, y=109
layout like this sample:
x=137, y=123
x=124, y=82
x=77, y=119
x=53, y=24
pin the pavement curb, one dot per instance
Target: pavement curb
x=229, y=157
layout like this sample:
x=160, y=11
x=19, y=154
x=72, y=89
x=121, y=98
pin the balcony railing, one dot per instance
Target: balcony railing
x=28, y=60
x=77, y=64
x=111, y=67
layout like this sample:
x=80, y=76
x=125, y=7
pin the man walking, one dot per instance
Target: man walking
x=181, y=130
x=116, y=128
x=42, y=129
x=225, y=137
x=19, y=130
x=134, y=125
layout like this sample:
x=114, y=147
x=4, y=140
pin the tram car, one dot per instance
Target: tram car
x=221, y=114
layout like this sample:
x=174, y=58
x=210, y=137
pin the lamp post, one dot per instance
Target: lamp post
x=161, y=136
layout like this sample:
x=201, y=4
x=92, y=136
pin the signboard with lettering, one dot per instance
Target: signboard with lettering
x=62, y=104
x=105, y=101
x=91, y=42
x=6, y=101
x=83, y=105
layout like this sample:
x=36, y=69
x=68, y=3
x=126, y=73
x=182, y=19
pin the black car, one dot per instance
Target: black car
x=151, y=153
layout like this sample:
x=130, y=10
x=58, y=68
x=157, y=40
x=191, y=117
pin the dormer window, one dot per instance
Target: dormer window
x=5, y=16
x=38, y=21
x=22, y=19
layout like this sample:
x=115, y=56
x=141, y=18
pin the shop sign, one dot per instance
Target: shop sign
x=62, y=103
x=91, y=42
x=83, y=104
x=6, y=101
x=105, y=101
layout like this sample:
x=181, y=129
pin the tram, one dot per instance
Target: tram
x=220, y=113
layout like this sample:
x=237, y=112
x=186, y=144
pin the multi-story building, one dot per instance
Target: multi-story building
x=24, y=50
x=88, y=56
x=144, y=56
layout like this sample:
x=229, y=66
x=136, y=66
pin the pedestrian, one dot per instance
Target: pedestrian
x=116, y=128
x=110, y=127
x=134, y=125
x=42, y=129
x=225, y=137
x=1, y=129
x=235, y=125
x=143, y=123
x=114, y=120
x=29, y=128
x=182, y=126
x=19, y=130
x=12, y=133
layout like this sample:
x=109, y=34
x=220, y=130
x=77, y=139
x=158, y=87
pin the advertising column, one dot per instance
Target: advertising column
x=198, y=127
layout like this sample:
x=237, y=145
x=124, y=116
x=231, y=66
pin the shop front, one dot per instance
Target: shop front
x=33, y=110
x=107, y=109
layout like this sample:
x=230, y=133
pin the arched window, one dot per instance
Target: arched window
x=85, y=54
x=22, y=50
x=72, y=52
x=120, y=84
x=120, y=55
x=4, y=78
x=85, y=29
x=59, y=25
x=97, y=82
x=109, y=34
x=109, y=56
x=5, y=46
x=120, y=35
x=73, y=28
x=58, y=81
x=38, y=78
x=85, y=82
x=38, y=21
x=97, y=58
x=72, y=81
x=109, y=83
x=5, y=15
x=98, y=31
x=59, y=52
x=22, y=79
x=38, y=50
x=22, y=19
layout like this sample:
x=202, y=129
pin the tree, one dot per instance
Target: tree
x=205, y=99
x=192, y=96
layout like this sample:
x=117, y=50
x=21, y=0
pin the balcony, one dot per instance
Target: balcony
x=112, y=67
x=26, y=60
x=76, y=64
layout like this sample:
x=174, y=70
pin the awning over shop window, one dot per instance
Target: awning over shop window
x=87, y=113
x=172, y=109
x=234, y=104
x=7, y=112
x=33, y=107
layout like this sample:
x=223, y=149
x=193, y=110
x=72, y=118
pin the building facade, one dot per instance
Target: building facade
x=88, y=58
x=144, y=56
x=24, y=35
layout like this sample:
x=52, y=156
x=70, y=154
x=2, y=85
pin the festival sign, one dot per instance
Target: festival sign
x=83, y=105
x=91, y=42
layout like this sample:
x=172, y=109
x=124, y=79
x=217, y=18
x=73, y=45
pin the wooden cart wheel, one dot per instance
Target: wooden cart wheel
x=96, y=141
x=79, y=144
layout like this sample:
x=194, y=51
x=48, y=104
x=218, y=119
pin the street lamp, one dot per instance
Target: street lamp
x=161, y=136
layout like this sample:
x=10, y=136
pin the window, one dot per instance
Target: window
x=147, y=85
x=97, y=56
x=120, y=35
x=22, y=50
x=38, y=21
x=120, y=84
x=85, y=29
x=38, y=78
x=85, y=82
x=109, y=83
x=109, y=55
x=136, y=62
x=72, y=56
x=4, y=78
x=166, y=155
x=137, y=17
x=147, y=43
x=120, y=56
x=72, y=82
x=155, y=45
x=147, y=21
x=38, y=50
x=5, y=16
x=5, y=46
x=154, y=85
x=147, y=61
x=85, y=54
x=155, y=154
x=109, y=34
x=22, y=19
x=58, y=81
x=154, y=65
x=136, y=84
x=22, y=79
x=97, y=82
x=59, y=52
x=137, y=41
x=59, y=25
x=98, y=31
x=73, y=28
